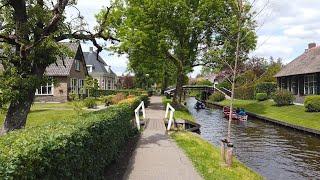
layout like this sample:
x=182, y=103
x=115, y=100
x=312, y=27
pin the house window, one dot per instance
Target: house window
x=81, y=86
x=283, y=84
x=77, y=63
x=89, y=68
x=74, y=86
x=109, y=84
x=294, y=85
x=309, y=84
x=45, y=90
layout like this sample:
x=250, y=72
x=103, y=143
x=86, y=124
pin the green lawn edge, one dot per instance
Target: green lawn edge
x=207, y=160
x=293, y=114
x=182, y=113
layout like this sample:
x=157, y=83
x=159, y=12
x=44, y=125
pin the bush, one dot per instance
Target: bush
x=283, y=98
x=135, y=92
x=244, y=92
x=217, y=97
x=107, y=100
x=118, y=97
x=266, y=87
x=77, y=148
x=312, y=103
x=90, y=103
x=261, y=96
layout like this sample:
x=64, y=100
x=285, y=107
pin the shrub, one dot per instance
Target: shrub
x=217, y=97
x=283, y=98
x=312, y=103
x=118, y=97
x=244, y=92
x=73, y=96
x=90, y=103
x=77, y=148
x=136, y=92
x=261, y=96
x=266, y=87
x=107, y=100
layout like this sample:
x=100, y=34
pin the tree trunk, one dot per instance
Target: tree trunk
x=178, y=94
x=18, y=111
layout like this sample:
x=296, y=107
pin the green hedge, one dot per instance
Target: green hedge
x=217, y=97
x=283, y=98
x=266, y=87
x=79, y=148
x=312, y=103
x=244, y=92
x=124, y=91
x=261, y=96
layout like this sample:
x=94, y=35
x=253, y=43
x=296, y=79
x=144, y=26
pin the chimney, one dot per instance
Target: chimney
x=91, y=49
x=311, y=45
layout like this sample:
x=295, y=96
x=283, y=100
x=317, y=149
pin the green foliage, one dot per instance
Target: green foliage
x=78, y=107
x=107, y=100
x=90, y=102
x=127, y=92
x=92, y=86
x=73, y=96
x=224, y=84
x=217, y=97
x=312, y=103
x=244, y=92
x=74, y=149
x=261, y=96
x=204, y=82
x=266, y=87
x=283, y=98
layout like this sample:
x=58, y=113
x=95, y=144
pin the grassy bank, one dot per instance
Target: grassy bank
x=181, y=113
x=206, y=159
x=293, y=114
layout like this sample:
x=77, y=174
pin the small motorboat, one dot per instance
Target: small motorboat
x=199, y=105
x=236, y=114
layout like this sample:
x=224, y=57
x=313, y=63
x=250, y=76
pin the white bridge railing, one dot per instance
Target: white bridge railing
x=137, y=113
x=171, y=110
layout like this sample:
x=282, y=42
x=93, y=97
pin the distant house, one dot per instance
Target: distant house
x=68, y=76
x=302, y=75
x=125, y=82
x=98, y=69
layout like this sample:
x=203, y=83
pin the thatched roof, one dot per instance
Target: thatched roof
x=308, y=62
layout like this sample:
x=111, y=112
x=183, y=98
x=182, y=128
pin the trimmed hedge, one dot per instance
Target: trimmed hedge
x=312, y=103
x=78, y=148
x=266, y=87
x=124, y=91
x=244, y=92
x=261, y=96
x=217, y=97
x=283, y=98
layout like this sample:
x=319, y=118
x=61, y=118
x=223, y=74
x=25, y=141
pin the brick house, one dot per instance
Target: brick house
x=68, y=77
x=302, y=75
x=99, y=70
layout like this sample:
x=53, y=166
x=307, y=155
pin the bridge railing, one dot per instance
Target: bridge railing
x=137, y=113
x=169, y=112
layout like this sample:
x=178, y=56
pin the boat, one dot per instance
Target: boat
x=235, y=115
x=199, y=105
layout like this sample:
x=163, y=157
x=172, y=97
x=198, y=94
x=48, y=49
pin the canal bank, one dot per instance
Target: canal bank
x=271, y=150
x=251, y=114
x=205, y=156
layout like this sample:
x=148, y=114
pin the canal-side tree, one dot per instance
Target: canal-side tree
x=238, y=36
x=29, y=36
x=179, y=31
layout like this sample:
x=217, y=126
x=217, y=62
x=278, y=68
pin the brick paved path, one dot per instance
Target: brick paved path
x=157, y=156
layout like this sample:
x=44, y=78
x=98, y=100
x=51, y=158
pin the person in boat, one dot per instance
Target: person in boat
x=199, y=105
x=242, y=112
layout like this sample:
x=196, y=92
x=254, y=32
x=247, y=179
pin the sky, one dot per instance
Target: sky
x=285, y=27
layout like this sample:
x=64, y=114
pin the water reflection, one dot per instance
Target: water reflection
x=273, y=151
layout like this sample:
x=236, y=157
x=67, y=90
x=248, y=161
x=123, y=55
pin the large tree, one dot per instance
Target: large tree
x=178, y=31
x=29, y=35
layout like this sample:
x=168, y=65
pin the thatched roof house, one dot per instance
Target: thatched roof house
x=302, y=75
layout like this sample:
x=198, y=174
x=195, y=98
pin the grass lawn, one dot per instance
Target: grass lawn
x=181, y=113
x=206, y=159
x=293, y=114
x=42, y=113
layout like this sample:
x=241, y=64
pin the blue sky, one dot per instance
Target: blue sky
x=285, y=27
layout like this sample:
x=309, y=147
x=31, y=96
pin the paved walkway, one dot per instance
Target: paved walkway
x=157, y=156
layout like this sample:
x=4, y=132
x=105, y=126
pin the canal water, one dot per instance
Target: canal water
x=273, y=151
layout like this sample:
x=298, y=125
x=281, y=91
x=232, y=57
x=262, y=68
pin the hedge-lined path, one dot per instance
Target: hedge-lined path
x=156, y=155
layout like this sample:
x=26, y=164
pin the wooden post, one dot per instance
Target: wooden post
x=223, y=150
x=229, y=154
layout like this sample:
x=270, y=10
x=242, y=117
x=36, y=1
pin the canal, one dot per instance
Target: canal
x=273, y=151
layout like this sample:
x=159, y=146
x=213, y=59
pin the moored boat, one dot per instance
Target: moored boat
x=241, y=115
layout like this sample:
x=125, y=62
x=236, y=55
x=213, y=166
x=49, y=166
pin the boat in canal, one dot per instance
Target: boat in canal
x=199, y=105
x=240, y=116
